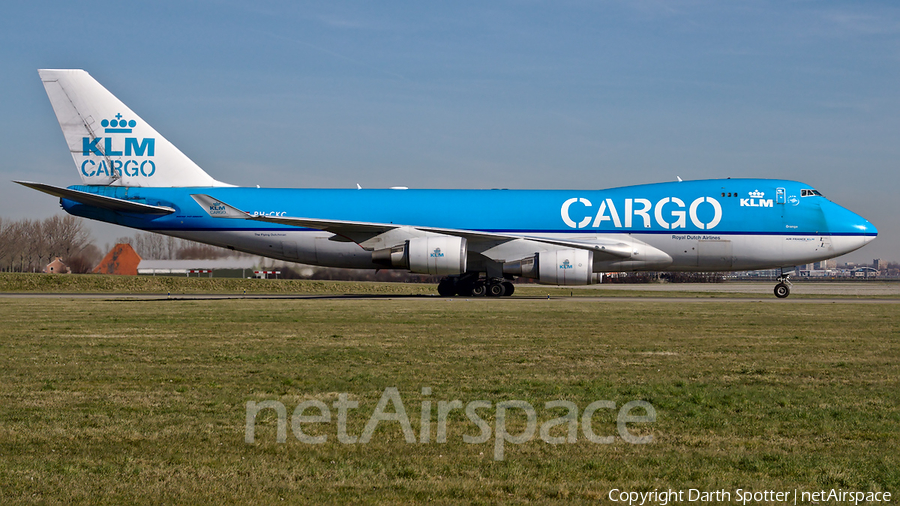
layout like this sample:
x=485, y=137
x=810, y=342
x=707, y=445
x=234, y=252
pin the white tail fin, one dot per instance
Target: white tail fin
x=110, y=144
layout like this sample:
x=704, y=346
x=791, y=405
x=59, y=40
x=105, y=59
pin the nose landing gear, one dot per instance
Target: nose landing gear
x=783, y=288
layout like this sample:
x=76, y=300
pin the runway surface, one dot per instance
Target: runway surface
x=873, y=292
x=843, y=288
x=500, y=300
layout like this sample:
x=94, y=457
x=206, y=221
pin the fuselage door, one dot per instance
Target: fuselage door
x=779, y=195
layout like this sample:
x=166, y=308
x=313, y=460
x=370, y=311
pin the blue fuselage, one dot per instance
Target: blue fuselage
x=742, y=223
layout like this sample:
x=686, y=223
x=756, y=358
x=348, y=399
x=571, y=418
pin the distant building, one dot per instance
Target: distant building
x=122, y=260
x=56, y=267
x=865, y=272
x=824, y=265
x=196, y=267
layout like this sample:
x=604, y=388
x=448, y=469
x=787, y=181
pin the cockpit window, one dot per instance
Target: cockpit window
x=810, y=193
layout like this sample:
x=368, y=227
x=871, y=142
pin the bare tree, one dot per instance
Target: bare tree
x=85, y=261
x=9, y=243
x=27, y=245
x=123, y=240
x=196, y=251
x=35, y=246
x=65, y=236
x=17, y=253
x=6, y=243
x=171, y=247
x=150, y=245
x=155, y=246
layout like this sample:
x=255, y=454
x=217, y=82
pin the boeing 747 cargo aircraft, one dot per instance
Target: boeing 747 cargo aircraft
x=478, y=239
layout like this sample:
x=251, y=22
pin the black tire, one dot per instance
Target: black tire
x=496, y=290
x=479, y=289
x=464, y=289
x=782, y=290
x=510, y=288
x=446, y=288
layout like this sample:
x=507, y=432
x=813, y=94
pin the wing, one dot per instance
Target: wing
x=362, y=232
x=102, y=201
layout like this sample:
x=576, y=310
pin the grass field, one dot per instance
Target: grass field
x=96, y=283
x=118, y=401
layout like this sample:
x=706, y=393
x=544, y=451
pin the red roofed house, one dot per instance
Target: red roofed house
x=122, y=259
x=56, y=267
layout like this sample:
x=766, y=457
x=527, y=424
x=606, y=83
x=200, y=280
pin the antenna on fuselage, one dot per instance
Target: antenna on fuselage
x=678, y=178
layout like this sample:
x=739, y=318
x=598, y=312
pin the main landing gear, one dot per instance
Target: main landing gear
x=783, y=288
x=473, y=286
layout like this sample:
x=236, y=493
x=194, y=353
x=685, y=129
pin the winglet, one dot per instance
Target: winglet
x=218, y=209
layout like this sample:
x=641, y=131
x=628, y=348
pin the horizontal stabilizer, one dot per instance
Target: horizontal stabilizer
x=218, y=209
x=101, y=201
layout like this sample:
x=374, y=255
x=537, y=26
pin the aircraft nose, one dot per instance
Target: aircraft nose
x=872, y=232
x=853, y=230
x=862, y=227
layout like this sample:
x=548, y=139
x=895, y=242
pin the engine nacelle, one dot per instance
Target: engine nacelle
x=441, y=255
x=558, y=267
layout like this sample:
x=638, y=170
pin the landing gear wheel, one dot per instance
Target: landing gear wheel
x=782, y=290
x=447, y=288
x=471, y=285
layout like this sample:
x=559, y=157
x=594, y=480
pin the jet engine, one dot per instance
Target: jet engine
x=441, y=255
x=558, y=267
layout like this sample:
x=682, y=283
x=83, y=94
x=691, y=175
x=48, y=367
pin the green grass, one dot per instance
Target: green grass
x=98, y=283
x=117, y=401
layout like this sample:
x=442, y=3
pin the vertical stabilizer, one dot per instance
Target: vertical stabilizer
x=111, y=145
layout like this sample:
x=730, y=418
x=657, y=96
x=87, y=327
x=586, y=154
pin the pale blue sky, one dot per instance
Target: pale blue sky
x=478, y=94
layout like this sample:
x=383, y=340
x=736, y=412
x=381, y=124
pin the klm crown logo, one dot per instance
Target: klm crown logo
x=566, y=265
x=756, y=200
x=437, y=253
x=118, y=125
